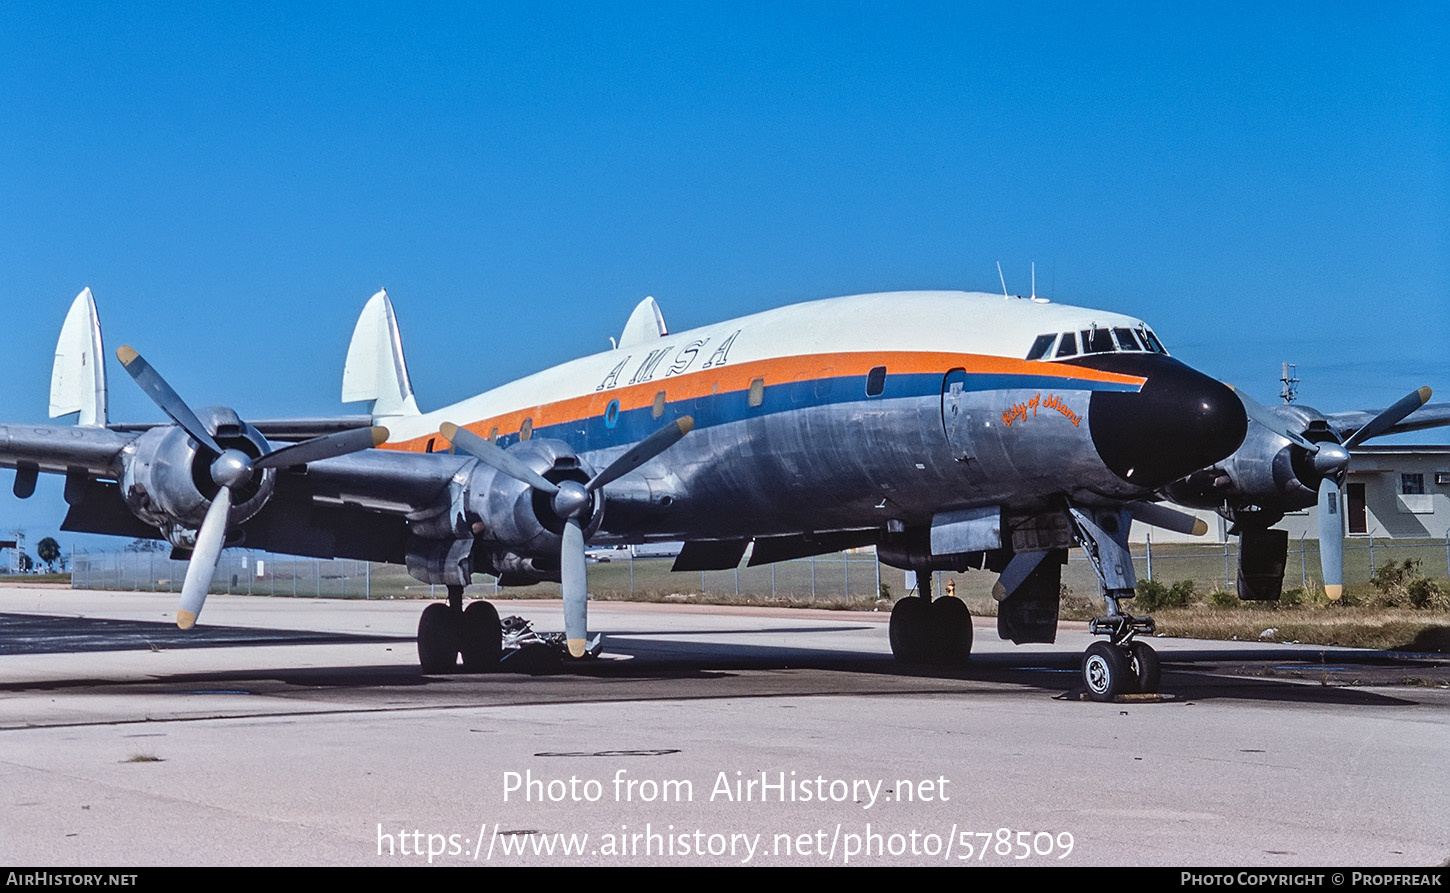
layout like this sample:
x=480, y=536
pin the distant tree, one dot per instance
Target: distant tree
x=48, y=551
x=144, y=545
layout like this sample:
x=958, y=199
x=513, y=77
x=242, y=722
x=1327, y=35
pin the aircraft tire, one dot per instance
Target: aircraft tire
x=482, y=640
x=1106, y=671
x=951, y=631
x=908, y=630
x=438, y=639
x=1147, y=669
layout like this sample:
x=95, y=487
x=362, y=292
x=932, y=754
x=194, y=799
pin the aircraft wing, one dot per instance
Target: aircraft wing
x=62, y=450
x=352, y=506
x=1431, y=415
x=282, y=429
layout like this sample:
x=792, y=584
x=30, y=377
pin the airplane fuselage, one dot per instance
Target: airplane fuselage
x=851, y=413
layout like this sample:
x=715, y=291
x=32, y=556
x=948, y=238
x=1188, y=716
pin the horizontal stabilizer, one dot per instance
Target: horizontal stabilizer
x=375, y=369
x=78, y=378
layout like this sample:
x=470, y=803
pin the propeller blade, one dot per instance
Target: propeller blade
x=1331, y=538
x=575, y=586
x=202, y=567
x=327, y=446
x=161, y=393
x=644, y=451
x=1259, y=413
x=493, y=455
x=1159, y=515
x=1390, y=417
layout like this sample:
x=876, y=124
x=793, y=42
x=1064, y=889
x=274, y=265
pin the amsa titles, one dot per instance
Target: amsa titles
x=726, y=787
x=647, y=367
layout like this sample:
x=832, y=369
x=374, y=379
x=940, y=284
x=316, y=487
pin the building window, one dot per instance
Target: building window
x=1412, y=484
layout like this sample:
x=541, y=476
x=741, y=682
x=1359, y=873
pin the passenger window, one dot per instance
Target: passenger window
x=757, y=392
x=1068, y=347
x=493, y=434
x=1041, y=346
x=876, y=381
x=526, y=430
x=427, y=449
x=659, y=407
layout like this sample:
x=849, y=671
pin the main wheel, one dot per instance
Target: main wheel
x=1147, y=669
x=438, y=637
x=1106, y=672
x=482, y=640
x=951, y=631
x=908, y=630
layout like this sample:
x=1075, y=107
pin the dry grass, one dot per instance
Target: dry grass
x=1354, y=627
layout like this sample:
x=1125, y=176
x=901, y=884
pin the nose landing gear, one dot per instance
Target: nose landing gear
x=1120, y=665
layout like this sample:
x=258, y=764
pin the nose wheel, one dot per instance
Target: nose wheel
x=1110, y=670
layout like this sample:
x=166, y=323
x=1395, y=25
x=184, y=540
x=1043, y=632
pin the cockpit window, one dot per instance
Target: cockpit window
x=1041, y=346
x=1127, y=340
x=1120, y=339
x=1097, y=341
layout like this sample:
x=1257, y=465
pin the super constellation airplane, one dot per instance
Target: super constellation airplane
x=950, y=430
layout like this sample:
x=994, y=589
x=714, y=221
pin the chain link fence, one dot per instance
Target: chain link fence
x=843, y=579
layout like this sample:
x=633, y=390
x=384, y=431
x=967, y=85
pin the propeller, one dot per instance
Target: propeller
x=571, y=501
x=230, y=469
x=1330, y=461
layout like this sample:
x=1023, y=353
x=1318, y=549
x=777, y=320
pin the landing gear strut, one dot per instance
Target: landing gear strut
x=1120, y=665
x=930, y=632
x=446, y=630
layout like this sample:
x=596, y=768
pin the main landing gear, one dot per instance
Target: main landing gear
x=924, y=631
x=1120, y=665
x=446, y=630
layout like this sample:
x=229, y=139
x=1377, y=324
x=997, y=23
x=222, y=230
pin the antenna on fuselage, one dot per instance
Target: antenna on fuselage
x=1291, y=383
x=1034, y=280
x=1004, y=281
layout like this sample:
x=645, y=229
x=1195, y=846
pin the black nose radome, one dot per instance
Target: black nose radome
x=1179, y=422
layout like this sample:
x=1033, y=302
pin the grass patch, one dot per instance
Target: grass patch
x=1352, y=627
x=143, y=758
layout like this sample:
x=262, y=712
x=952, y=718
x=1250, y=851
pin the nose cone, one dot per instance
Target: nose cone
x=1179, y=422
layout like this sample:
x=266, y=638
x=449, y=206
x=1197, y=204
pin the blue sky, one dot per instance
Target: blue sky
x=1261, y=184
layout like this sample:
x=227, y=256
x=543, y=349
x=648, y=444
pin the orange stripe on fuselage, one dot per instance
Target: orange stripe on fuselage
x=777, y=370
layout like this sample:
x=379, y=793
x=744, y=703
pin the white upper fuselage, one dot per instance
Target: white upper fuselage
x=793, y=343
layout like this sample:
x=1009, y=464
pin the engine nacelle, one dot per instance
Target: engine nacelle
x=1266, y=475
x=513, y=529
x=519, y=518
x=166, y=477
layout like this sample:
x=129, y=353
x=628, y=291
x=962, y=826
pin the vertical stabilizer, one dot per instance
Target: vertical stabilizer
x=645, y=324
x=78, y=378
x=375, y=369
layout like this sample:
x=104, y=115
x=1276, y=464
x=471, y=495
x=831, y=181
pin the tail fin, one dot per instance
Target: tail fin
x=375, y=369
x=78, y=378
